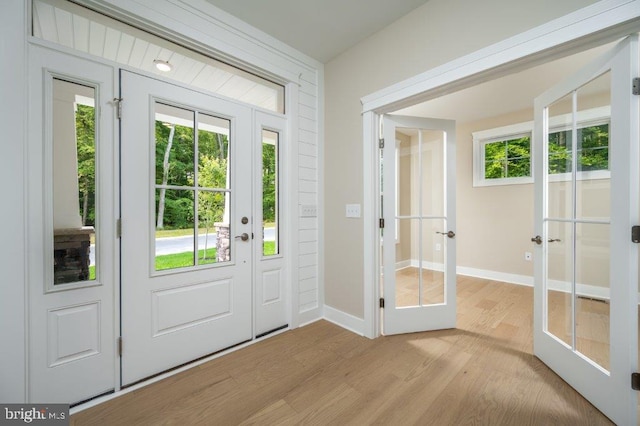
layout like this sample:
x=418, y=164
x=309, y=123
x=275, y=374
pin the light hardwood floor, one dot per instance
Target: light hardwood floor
x=481, y=373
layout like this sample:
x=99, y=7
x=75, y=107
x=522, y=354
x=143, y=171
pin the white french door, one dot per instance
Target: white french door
x=586, y=271
x=418, y=237
x=185, y=158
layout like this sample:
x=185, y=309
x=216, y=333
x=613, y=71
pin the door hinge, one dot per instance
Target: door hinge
x=382, y=302
x=119, y=346
x=381, y=222
x=635, y=86
x=118, y=228
x=635, y=381
x=118, y=102
x=381, y=143
x=635, y=234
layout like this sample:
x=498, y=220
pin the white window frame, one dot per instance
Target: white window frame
x=586, y=118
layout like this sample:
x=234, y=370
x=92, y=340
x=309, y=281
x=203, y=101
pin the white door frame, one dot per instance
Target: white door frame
x=591, y=26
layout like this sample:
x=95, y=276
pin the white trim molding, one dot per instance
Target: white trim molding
x=596, y=24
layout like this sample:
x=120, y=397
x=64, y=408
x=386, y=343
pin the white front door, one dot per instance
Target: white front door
x=186, y=225
x=586, y=271
x=418, y=207
x=72, y=241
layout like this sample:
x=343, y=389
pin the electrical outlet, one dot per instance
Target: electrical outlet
x=528, y=256
x=353, y=210
x=308, y=210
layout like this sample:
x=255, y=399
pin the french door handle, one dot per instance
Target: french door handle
x=449, y=234
x=244, y=236
x=538, y=240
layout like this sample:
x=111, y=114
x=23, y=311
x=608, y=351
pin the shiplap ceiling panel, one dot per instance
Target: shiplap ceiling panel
x=78, y=28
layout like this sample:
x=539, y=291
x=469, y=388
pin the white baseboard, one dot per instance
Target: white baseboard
x=403, y=264
x=585, y=290
x=495, y=276
x=344, y=320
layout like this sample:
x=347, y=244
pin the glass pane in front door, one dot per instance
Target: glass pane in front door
x=192, y=200
x=578, y=223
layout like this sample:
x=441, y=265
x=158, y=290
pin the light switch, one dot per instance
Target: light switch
x=353, y=210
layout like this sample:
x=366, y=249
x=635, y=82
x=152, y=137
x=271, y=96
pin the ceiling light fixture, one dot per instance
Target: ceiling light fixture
x=163, y=66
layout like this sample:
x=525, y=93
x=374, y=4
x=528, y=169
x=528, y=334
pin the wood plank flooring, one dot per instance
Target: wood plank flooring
x=482, y=373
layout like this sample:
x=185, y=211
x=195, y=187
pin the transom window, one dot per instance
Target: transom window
x=502, y=156
x=76, y=27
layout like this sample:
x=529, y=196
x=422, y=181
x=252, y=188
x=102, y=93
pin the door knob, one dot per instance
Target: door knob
x=537, y=239
x=244, y=236
x=449, y=234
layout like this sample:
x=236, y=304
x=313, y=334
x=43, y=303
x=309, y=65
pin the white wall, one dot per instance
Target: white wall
x=433, y=34
x=12, y=249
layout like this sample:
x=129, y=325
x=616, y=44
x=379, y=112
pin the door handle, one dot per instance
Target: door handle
x=538, y=240
x=449, y=234
x=244, y=236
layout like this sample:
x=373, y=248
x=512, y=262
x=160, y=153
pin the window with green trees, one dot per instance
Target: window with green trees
x=507, y=158
x=503, y=160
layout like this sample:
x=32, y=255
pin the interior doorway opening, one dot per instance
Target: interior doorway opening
x=495, y=133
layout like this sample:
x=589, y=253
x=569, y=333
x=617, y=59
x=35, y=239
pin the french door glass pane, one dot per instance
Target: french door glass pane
x=407, y=266
x=431, y=175
x=592, y=277
x=559, y=280
x=407, y=165
x=593, y=195
x=560, y=193
x=433, y=261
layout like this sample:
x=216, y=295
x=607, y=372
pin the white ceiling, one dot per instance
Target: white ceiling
x=321, y=29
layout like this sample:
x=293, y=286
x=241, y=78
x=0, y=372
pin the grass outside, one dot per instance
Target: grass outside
x=185, y=259
x=165, y=233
